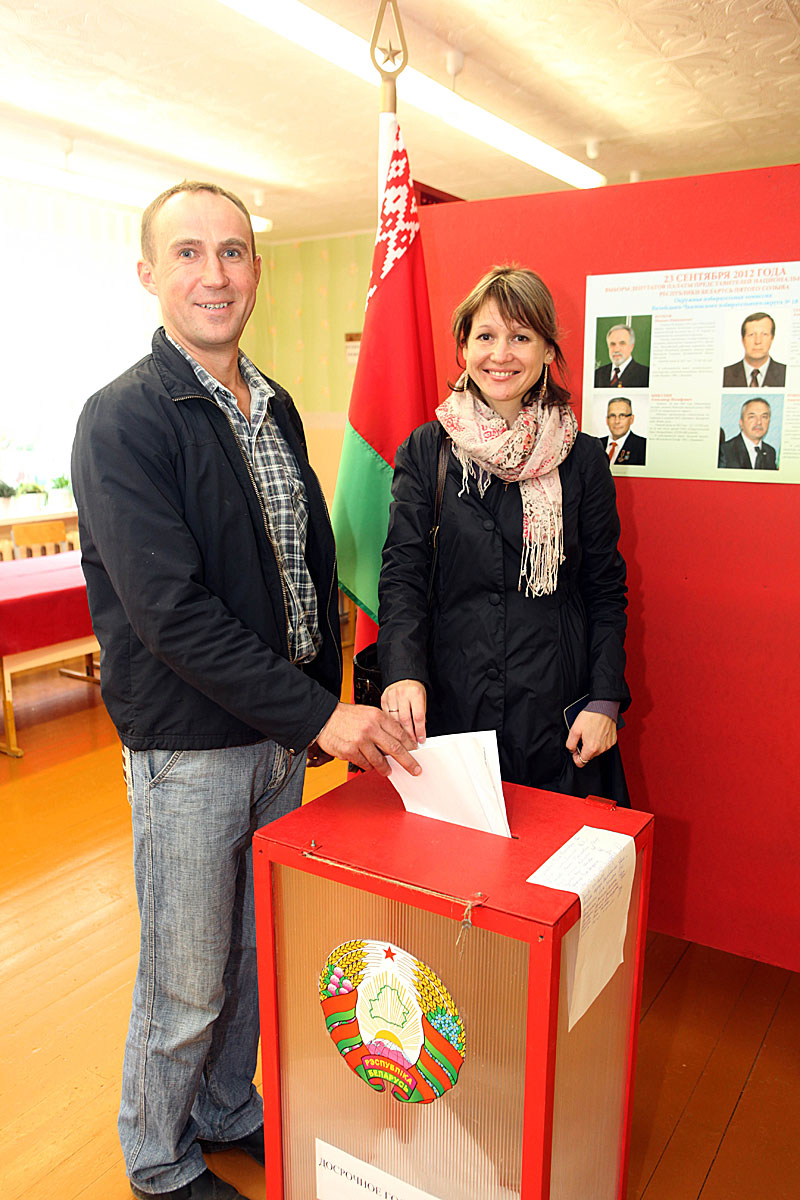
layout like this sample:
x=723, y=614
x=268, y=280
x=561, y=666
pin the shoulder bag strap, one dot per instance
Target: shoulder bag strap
x=441, y=475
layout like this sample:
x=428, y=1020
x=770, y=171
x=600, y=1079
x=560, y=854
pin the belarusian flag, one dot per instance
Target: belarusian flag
x=394, y=388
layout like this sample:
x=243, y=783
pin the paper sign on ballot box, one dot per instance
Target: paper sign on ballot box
x=340, y=1176
x=598, y=864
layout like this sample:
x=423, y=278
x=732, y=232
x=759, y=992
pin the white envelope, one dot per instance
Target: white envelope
x=460, y=782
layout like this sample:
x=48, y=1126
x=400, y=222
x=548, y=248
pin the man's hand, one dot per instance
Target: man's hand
x=407, y=700
x=364, y=735
x=591, y=734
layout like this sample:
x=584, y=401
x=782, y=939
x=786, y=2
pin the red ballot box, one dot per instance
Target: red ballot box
x=413, y=991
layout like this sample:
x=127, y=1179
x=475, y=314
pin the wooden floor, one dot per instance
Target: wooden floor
x=717, y=1107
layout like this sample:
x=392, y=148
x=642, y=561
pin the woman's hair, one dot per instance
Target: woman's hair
x=524, y=299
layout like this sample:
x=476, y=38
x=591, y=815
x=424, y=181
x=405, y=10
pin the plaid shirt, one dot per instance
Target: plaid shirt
x=282, y=492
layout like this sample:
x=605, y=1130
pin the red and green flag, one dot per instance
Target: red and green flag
x=394, y=389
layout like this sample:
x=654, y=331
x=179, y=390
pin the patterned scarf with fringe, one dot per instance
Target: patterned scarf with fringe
x=529, y=453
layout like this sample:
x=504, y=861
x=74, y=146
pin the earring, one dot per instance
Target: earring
x=543, y=388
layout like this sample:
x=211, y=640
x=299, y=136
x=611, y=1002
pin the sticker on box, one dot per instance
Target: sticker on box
x=392, y=1020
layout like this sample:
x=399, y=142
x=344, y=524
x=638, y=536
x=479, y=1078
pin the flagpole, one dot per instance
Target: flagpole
x=396, y=356
x=389, y=60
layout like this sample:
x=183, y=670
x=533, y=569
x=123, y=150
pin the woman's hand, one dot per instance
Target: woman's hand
x=591, y=734
x=406, y=701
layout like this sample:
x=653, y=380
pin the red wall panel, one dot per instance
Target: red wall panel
x=712, y=567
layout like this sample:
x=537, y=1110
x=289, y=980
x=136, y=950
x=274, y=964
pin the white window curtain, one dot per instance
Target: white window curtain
x=74, y=317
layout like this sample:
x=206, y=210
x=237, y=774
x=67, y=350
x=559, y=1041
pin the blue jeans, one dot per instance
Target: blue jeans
x=190, y=1054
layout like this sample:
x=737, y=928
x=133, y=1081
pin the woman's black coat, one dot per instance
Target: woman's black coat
x=490, y=657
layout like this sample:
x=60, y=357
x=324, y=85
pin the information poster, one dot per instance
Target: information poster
x=694, y=373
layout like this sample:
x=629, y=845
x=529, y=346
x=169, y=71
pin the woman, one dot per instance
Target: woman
x=525, y=627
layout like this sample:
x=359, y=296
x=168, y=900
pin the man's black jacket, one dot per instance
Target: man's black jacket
x=185, y=593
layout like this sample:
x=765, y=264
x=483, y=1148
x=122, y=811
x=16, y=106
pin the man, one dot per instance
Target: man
x=210, y=570
x=624, y=449
x=756, y=369
x=623, y=370
x=748, y=450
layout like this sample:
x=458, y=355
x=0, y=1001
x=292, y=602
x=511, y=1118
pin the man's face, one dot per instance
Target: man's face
x=754, y=421
x=757, y=339
x=202, y=271
x=619, y=419
x=620, y=346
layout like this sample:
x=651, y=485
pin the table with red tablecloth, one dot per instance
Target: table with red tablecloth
x=44, y=618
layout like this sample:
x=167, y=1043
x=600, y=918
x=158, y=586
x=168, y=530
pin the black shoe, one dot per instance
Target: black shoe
x=251, y=1143
x=205, y=1187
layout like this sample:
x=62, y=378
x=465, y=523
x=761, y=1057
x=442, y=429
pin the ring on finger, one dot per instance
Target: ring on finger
x=580, y=756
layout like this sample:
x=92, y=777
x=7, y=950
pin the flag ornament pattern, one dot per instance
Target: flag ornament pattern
x=399, y=218
x=392, y=1020
x=394, y=389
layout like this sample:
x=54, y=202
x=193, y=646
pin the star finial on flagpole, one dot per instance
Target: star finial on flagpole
x=388, y=29
x=389, y=53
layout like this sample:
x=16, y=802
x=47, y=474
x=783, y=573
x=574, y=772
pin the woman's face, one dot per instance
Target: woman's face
x=504, y=360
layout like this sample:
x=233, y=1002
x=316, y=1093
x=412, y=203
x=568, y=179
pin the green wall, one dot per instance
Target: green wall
x=311, y=294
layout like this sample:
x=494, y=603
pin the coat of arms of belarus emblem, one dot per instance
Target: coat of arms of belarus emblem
x=392, y=1020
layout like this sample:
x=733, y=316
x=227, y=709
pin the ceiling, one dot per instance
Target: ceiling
x=171, y=88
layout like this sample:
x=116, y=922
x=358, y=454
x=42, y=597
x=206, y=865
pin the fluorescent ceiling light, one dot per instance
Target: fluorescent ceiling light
x=94, y=187
x=87, y=186
x=323, y=37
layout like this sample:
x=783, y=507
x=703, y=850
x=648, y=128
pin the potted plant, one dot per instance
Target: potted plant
x=31, y=497
x=60, y=496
